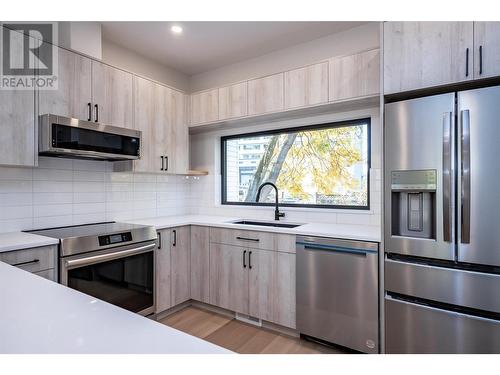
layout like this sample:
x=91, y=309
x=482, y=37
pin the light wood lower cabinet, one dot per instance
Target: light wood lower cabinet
x=162, y=272
x=259, y=283
x=41, y=261
x=200, y=264
x=228, y=277
x=272, y=286
x=180, y=260
x=248, y=280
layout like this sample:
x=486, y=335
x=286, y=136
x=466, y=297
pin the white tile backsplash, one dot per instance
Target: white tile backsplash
x=69, y=192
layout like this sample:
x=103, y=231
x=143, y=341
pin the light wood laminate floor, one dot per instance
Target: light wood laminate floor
x=240, y=337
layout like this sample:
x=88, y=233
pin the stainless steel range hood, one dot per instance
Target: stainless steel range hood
x=72, y=138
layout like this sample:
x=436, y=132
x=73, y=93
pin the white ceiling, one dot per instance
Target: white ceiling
x=204, y=46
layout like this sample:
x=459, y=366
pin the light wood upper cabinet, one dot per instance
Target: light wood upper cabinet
x=354, y=76
x=180, y=258
x=74, y=89
x=145, y=105
x=205, y=106
x=200, y=264
x=162, y=272
x=112, y=92
x=17, y=120
x=306, y=86
x=178, y=139
x=233, y=101
x=265, y=94
x=426, y=54
x=228, y=277
x=272, y=287
x=486, y=49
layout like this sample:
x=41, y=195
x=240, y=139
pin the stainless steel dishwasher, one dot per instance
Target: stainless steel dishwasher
x=337, y=292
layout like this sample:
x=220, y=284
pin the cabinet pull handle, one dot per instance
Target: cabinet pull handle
x=96, y=112
x=480, y=60
x=447, y=174
x=159, y=240
x=175, y=237
x=162, y=163
x=466, y=62
x=244, y=254
x=90, y=111
x=34, y=261
x=247, y=239
x=465, y=175
x=250, y=260
x=166, y=162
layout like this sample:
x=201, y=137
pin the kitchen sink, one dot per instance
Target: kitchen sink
x=266, y=224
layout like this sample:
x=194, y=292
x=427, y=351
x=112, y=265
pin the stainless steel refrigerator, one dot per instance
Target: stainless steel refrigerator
x=442, y=223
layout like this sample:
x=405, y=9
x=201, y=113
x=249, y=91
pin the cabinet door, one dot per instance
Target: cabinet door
x=205, y=107
x=162, y=272
x=112, y=92
x=233, y=101
x=265, y=94
x=272, y=286
x=425, y=54
x=228, y=277
x=17, y=117
x=355, y=75
x=180, y=251
x=178, y=139
x=144, y=107
x=306, y=86
x=486, y=49
x=200, y=265
x=73, y=94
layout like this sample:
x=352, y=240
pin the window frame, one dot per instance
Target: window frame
x=337, y=124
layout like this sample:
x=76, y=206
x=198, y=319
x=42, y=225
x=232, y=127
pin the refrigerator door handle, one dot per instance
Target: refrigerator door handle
x=447, y=175
x=465, y=176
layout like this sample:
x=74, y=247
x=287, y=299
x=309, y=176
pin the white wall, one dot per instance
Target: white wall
x=121, y=57
x=84, y=37
x=205, y=192
x=70, y=192
x=351, y=41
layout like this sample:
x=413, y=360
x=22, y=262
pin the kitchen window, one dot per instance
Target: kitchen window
x=325, y=165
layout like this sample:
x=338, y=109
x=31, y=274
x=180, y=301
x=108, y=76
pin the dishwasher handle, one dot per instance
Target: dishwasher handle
x=337, y=249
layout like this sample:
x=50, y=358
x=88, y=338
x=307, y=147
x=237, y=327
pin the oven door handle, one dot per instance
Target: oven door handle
x=110, y=256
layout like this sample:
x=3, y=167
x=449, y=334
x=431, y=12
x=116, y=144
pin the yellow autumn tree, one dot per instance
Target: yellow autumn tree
x=319, y=157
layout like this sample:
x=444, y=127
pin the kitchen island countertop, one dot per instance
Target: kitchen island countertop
x=40, y=316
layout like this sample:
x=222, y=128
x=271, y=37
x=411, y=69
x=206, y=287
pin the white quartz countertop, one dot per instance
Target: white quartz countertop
x=40, y=316
x=21, y=240
x=344, y=231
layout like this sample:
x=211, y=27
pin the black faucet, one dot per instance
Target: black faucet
x=277, y=213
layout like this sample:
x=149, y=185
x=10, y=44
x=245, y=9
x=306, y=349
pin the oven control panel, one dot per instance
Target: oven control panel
x=112, y=239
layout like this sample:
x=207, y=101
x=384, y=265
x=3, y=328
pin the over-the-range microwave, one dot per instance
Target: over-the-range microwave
x=73, y=138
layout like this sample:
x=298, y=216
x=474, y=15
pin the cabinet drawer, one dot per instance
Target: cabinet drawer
x=47, y=274
x=32, y=260
x=246, y=238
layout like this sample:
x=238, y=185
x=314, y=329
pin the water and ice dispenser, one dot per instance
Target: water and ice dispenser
x=414, y=203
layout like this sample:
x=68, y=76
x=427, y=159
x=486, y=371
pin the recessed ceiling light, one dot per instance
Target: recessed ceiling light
x=176, y=29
